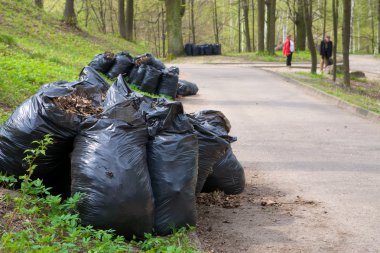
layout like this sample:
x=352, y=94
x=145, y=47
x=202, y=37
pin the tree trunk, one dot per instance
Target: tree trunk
x=370, y=5
x=271, y=23
x=192, y=20
x=335, y=28
x=39, y=3
x=246, y=25
x=239, y=25
x=69, y=13
x=121, y=18
x=324, y=18
x=216, y=28
x=174, y=27
x=378, y=26
x=163, y=37
x=129, y=17
x=307, y=11
x=346, y=41
x=260, y=24
x=300, y=27
x=253, y=25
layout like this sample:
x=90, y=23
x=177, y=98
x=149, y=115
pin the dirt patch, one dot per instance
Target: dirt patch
x=248, y=222
x=77, y=105
x=219, y=199
x=8, y=219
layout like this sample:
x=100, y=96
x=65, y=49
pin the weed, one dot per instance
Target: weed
x=49, y=224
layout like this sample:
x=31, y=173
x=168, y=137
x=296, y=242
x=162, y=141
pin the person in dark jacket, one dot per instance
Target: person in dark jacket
x=325, y=51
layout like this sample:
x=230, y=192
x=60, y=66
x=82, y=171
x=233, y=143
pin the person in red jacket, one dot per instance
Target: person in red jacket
x=288, y=50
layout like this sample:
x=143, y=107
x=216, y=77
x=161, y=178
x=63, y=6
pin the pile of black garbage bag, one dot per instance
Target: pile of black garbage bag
x=202, y=49
x=146, y=72
x=138, y=162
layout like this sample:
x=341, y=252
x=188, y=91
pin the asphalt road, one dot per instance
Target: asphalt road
x=299, y=145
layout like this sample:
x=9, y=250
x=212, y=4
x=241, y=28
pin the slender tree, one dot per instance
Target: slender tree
x=378, y=26
x=346, y=41
x=260, y=24
x=121, y=19
x=174, y=27
x=192, y=20
x=129, y=18
x=216, y=21
x=253, y=25
x=69, y=13
x=246, y=25
x=308, y=10
x=239, y=24
x=324, y=17
x=271, y=25
x=39, y=3
x=335, y=8
x=300, y=27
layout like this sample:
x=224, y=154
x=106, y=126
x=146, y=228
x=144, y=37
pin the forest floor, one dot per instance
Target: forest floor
x=312, y=169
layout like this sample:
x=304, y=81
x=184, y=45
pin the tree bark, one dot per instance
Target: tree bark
x=192, y=20
x=271, y=23
x=39, y=3
x=378, y=26
x=69, y=13
x=324, y=18
x=129, y=18
x=260, y=24
x=246, y=25
x=346, y=41
x=253, y=25
x=307, y=11
x=300, y=27
x=174, y=27
x=216, y=28
x=239, y=25
x=121, y=19
x=335, y=28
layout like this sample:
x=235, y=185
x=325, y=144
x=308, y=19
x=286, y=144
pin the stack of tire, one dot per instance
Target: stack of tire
x=202, y=49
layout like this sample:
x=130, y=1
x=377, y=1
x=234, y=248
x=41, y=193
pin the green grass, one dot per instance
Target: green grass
x=37, y=221
x=301, y=56
x=36, y=48
x=357, y=96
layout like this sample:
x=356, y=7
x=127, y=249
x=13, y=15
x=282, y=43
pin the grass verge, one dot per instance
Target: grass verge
x=363, y=93
x=301, y=56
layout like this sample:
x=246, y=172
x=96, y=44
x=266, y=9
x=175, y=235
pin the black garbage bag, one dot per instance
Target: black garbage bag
x=173, y=166
x=149, y=59
x=215, y=121
x=92, y=77
x=207, y=49
x=123, y=65
x=124, y=104
x=227, y=176
x=196, y=49
x=189, y=49
x=151, y=80
x=213, y=144
x=216, y=49
x=174, y=70
x=138, y=76
x=109, y=166
x=186, y=88
x=103, y=62
x=168, y=85
x=31, y=121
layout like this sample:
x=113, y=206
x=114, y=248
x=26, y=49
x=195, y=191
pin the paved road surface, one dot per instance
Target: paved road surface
x=292, y=144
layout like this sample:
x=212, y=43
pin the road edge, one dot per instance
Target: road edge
x=353, y=109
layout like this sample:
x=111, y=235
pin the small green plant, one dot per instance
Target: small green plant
x=38, y=221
